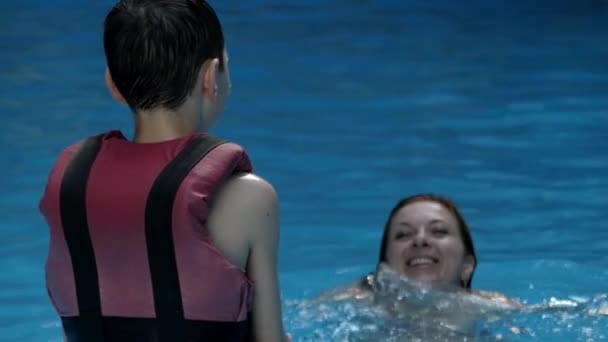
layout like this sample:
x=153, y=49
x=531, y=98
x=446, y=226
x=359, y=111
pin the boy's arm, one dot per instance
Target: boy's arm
x=247, y=212
x=262, y=265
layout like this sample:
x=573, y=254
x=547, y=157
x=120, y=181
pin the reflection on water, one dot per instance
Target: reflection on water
x=403, y=311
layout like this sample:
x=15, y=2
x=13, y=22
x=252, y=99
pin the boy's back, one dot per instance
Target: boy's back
x=118, y=191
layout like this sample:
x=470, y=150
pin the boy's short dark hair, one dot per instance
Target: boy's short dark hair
x=155, y=48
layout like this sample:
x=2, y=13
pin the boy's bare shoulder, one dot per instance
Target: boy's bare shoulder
x=249, y=184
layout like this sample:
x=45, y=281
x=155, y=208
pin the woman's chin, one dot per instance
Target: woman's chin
x=423, y=278
x=431, y=280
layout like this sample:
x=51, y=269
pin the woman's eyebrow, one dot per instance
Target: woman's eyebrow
x=409, y=225
x=436, y=221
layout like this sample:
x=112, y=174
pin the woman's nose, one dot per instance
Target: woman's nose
x=421, y=239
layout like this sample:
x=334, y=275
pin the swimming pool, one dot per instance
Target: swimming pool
x=346, y=106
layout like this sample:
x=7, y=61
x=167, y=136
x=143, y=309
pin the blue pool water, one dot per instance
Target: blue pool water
x=347, y=106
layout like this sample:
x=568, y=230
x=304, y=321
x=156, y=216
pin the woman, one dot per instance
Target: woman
x=423, y=280
x=427, y=242
x=426, y=265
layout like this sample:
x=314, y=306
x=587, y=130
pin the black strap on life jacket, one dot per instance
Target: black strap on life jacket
x=169, y=324
x=159, y=238
x=76, y=230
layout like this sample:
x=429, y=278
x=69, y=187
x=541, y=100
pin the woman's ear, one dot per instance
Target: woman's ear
x=113, y=89
x=468, y=268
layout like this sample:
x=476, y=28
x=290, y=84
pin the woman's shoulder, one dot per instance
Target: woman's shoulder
x=361, y=289
x=498, y=298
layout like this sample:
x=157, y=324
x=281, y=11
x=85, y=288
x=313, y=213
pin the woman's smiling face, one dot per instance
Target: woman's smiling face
x=424, y=243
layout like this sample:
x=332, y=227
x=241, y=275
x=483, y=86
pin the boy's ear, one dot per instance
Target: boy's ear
x=208, y=76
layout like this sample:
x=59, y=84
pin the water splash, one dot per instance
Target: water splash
x=401, y=310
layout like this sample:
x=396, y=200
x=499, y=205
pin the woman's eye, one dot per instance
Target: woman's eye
x=402, y=235
x=440, y=232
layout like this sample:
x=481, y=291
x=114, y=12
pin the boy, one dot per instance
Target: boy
x=163, y=238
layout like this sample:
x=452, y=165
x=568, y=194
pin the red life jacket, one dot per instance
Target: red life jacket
x=130, y=258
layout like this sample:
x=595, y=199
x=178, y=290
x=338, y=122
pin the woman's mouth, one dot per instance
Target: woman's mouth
x=421, y=261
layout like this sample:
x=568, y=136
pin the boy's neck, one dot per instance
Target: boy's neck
x=158, y=126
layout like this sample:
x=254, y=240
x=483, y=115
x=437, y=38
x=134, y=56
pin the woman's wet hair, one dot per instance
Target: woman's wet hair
x=452, y=208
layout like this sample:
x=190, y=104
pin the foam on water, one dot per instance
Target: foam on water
x=401, y=310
